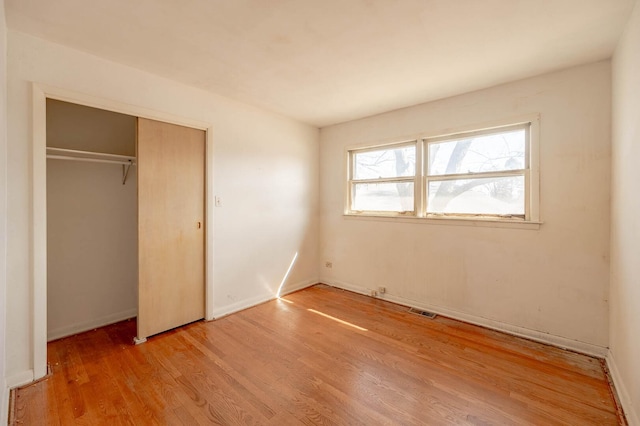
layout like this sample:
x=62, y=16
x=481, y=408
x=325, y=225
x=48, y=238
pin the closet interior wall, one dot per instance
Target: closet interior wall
x=92, y=263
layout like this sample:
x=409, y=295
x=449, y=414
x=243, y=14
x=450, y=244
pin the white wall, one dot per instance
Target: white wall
x=625, y=221
x=4, y=394
x=551, y=283
x=92, y=257
x=265, y=170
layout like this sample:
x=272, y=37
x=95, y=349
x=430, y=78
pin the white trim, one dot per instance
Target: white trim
x=384, y=146
x=538, y=336
x=480, y=132
x=209, y=207
x=90, y=325
x=40, y=93
x=478, y=175
x=39, y=233
x=249, y=303
x=20, y=379
x=4, y=408
x=534, y=170
x=630, y=412
x=449, y=220
x=292, y=288
x=241, y=305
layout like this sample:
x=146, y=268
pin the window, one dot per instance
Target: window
x=479, y=173
x=483, y=174
x=383, y=179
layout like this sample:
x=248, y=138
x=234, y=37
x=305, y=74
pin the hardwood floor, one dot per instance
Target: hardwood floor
x=318, y=356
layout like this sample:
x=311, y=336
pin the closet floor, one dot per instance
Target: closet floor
x=317, y=356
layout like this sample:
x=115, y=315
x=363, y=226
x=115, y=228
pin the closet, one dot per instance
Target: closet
x=125, y=221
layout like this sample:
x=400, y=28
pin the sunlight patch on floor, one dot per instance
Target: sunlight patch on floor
x=337, y=319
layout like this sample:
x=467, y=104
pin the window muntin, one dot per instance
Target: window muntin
x=382, y=179
x=486, y=174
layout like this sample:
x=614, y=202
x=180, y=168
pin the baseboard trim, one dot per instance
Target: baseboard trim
x=90, y=325
x=249, y=303
x=299, y=286
x=549, y=339
x=4, y=408
x=20, y=379
x=621, y=391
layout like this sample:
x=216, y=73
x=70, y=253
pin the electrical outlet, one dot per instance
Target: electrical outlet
x=382, y=290
x=374, y=293
x=328, y=264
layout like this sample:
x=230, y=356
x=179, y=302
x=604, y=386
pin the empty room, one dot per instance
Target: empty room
x=284, y=212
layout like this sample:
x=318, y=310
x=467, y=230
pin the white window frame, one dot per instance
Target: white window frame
x=351, y=181
x=525, y=172
x=421, y=180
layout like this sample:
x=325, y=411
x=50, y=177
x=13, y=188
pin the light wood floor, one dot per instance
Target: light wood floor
x=319, y=356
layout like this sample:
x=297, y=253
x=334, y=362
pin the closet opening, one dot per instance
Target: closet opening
x=92, y=224
x=68, y=297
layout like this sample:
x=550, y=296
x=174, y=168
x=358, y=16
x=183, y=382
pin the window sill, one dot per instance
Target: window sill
x=458, y=221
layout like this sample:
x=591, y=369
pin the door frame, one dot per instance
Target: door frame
x=41, y=93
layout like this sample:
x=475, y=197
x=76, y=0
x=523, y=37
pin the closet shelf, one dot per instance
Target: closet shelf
x=93, y=157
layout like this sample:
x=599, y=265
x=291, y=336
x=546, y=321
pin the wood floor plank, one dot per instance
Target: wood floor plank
x=320, y=356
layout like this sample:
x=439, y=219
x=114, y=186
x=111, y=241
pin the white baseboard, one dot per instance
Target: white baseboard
x=4, y=408
x=630, y=412
x=90, y=325
x=550, y=339
x=20, y=379
x=248, y=303
x=298, y=286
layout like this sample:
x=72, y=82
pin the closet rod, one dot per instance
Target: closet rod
x=73, y=154
x=93, y=157
x=92, y=160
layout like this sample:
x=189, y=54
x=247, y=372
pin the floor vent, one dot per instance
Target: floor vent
x=426, y=314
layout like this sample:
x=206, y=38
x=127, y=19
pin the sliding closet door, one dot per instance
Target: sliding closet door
x=171, y=176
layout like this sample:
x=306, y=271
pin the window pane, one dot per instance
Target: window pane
x=482, y=153
x=497, y=196
x=385, y=163
x=383, y=197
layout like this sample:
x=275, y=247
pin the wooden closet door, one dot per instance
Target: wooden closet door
x=171, y=192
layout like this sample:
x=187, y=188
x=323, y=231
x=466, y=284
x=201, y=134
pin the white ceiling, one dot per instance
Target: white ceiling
x=329, y=61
